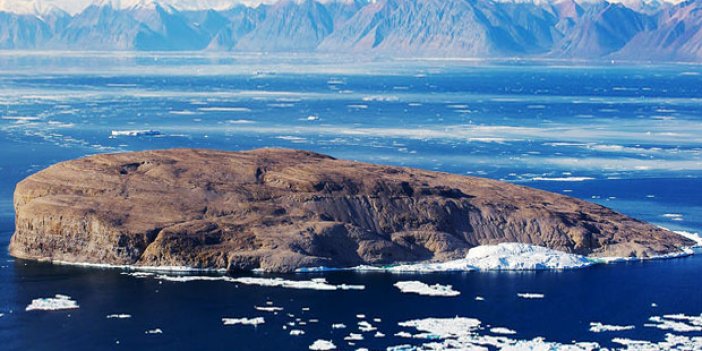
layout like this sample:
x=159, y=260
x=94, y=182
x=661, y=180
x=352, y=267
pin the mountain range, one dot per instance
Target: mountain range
x=571, y=29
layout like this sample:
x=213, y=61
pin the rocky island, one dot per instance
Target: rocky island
x=279, y=210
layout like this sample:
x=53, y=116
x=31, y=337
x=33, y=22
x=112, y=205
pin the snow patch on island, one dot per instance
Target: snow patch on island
x=56, y=303
x=417, y=287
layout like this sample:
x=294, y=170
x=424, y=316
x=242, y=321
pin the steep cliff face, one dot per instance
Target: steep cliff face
x=283, y=209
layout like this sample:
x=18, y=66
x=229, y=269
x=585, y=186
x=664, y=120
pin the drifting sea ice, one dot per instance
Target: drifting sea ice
x=676, y=322
x=243, y=321
x=502, y=330
x=119, y=316
x=530, y=295
x=154, y=331
x=322, y=345
x=420, y=288
x=366, y=327
x=597, y=327
x=268, y=308
x=354, y=337
x=134, y=133
x=58, y=302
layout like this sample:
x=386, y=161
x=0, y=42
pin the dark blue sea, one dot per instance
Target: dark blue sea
x=626, y=136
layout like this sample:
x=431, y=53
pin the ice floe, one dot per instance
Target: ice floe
x=243, y=321
x=531, y=295
x=562, y=179
x=502, y=330
x=224, y=109
x=366, y=327
x=597, y=327
x=133, y=133
x=461, y=333
x=119, y=316
x=322, y=345
x=154, y=331
x=676, y=322
x=268, y=308
x=58, y=302
x=353, y=337
x=297, y=332
x=417, y=287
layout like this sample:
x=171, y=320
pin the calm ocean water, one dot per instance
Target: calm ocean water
x=627, y=137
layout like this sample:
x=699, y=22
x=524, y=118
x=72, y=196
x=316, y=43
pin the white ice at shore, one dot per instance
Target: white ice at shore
x=505, y=256
x=243, y=321
x=417, y=287
x=313, y=284
x=696, y=237
x=58, y=302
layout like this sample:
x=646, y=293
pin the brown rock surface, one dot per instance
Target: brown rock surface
x=283, y=209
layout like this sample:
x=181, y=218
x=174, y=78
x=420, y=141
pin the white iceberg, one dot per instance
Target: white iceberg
x=297, y=332
x=154, y=331
x=243, y=321
x=58, y=302
x=417, y=287
x=322, y=345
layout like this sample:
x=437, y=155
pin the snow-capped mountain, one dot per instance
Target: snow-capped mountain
x=593, y=29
